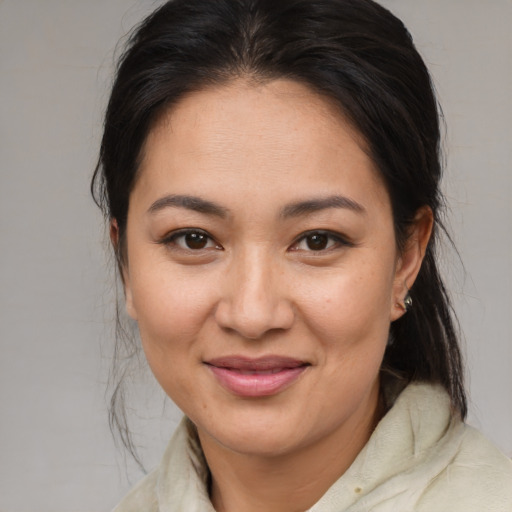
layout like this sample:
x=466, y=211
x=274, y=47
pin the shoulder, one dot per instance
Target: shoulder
x=478, y=478
x=142, y=497
x=179, y=483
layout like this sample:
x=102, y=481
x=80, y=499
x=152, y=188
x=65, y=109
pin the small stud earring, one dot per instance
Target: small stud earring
x=407, y=304
x=408, y=301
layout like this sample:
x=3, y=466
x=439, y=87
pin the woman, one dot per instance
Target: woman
x=270, y=172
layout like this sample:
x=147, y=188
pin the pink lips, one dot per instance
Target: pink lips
x=260, y=377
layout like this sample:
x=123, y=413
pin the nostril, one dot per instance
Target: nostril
x=253, y=322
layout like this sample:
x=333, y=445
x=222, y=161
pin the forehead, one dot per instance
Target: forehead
x=256, y=137
x=278, y=109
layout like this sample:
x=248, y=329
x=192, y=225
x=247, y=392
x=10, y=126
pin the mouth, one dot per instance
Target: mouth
x=259, y=377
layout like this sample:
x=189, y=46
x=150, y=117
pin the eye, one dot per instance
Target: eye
x=319, y=241
x=191, y=240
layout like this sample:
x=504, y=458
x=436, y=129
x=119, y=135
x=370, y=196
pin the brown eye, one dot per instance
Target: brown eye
x=195, y=240
x=317, y=241
x=190, y=240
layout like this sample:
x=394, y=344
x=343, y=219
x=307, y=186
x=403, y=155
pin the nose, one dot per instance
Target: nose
x=254, y=300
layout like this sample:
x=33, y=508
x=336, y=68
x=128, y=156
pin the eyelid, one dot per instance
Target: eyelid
x=170, y=239
x=341, y=240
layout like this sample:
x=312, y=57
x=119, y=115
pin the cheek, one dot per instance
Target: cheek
x=171, y=309
x=170, y=316
x=350, y=306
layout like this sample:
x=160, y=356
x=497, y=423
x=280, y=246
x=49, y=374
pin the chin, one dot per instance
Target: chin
x=252, y=430
x=265, y=443
x=260, y=432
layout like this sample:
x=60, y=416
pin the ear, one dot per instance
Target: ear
x=411, y=258
x=123, y=268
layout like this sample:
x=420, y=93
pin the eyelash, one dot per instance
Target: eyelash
x=171, y=240
x=333, y=240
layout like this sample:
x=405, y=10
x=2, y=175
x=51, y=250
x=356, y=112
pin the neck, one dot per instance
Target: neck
x=290, y=482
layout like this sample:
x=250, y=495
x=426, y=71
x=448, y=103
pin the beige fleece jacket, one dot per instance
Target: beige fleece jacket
x=419, y=458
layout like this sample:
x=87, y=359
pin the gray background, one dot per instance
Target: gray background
x=56, y=298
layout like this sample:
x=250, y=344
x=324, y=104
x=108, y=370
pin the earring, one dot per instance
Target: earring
x=407, y=304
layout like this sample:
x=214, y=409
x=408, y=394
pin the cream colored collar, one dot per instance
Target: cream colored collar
x=396, y=464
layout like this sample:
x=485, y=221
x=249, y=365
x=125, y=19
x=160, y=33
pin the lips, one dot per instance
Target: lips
x=259, y=377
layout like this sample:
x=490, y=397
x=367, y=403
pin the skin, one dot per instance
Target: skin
x=259, y=287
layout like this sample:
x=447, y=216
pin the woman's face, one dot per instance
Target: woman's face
x=262, y=267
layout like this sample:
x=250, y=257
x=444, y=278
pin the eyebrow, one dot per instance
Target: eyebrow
x=323, y=203
x=297, y=209
x=193, y=203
